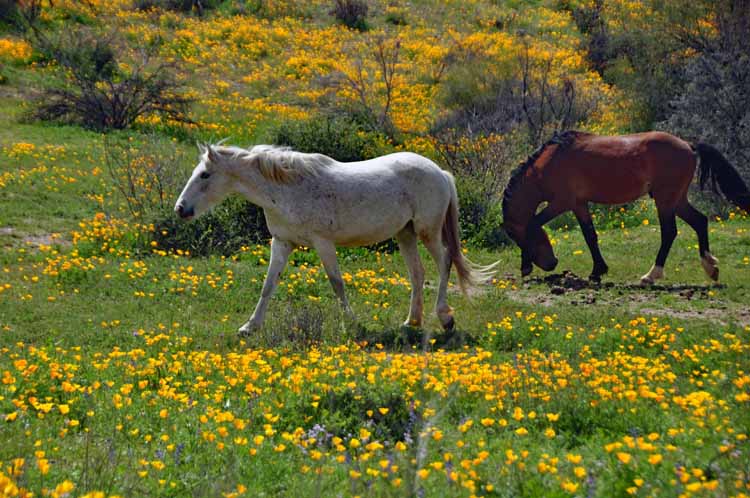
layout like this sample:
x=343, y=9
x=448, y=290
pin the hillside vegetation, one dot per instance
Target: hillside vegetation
x=121, y=373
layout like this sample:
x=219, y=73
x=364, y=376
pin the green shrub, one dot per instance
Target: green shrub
x=8, y=11
x=197, y=6
x=351, y=13
x=224, y=230
x=396, y=16
x=480, y=214
x=340, y=138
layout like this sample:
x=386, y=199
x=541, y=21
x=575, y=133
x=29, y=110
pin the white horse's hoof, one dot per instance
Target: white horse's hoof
x=248, y=329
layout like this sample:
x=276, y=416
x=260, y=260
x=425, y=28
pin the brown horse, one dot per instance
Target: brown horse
x=576, y=168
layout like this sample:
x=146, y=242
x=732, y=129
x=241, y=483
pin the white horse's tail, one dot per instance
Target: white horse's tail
x=469, y=274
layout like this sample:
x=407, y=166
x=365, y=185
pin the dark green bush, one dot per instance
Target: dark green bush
x=341, y=413
x=480, y=214
x=224, y=230
x=351, y=13
x=8, y=11
x=396, y=16
x=197, y=6
x=340, y=138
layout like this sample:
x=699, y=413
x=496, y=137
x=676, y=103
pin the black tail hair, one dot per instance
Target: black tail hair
x=715, y=169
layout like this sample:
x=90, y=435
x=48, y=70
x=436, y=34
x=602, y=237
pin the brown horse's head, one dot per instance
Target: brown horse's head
x=542, y=253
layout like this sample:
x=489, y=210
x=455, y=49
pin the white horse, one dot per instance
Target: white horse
x=315, y=201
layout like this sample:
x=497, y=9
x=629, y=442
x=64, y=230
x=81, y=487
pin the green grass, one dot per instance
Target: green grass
x=121, y=369
x=83, y=318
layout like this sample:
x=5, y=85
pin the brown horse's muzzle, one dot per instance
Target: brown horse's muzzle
x=546, y=264
x=543, y=254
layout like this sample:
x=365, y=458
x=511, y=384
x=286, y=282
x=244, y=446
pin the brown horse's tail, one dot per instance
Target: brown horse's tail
x=469, y=274
x=714, y=169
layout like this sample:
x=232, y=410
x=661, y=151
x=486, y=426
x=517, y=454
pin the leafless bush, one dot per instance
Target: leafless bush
x=351, y=13
x=96, y=91
x=481, y=165
x=529, y=97
x=147, y=175
x=548, y=106
x=488, y=159
x=375, y=105
x=714, y=106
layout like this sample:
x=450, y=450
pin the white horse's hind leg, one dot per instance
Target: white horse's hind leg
x=327, y=253
x=407, y=242
x=280, y=251
x=442, y=259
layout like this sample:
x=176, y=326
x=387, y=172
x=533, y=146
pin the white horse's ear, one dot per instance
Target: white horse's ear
x=213, y=156
x=201, y=148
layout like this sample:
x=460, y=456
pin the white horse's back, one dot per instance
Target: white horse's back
x=369, y=201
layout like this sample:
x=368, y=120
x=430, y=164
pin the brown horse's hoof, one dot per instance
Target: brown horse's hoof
x=715, y=274
x=598, y=272
x=526, y=270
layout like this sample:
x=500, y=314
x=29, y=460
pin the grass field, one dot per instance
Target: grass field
x=122, y=374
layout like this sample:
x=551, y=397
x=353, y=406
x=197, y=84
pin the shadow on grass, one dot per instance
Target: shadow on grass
x=409, y=338
x=567, y=281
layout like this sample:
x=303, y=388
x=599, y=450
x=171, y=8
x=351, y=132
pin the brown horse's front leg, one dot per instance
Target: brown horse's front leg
x=529, y=251
x=527, y=265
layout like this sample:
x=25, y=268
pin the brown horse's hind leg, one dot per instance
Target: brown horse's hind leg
x=699, y=223
x=592, y=240
x=668, y=226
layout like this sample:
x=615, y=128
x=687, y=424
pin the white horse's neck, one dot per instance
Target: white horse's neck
x=272, y=176
x=256, y=188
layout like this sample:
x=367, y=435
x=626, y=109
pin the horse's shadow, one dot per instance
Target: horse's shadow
x=567, y=281
x=405, y=338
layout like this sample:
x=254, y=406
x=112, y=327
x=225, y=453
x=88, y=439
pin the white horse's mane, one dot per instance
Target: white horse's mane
x=277, y=163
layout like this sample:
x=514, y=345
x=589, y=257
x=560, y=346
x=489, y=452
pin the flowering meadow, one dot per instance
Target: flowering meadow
x=121, y=372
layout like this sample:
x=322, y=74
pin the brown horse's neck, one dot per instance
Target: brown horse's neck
x=519, y=208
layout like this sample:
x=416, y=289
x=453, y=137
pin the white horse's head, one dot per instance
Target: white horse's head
x=208, y=185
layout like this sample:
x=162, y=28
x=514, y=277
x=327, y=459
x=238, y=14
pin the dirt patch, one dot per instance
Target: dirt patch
x=721, y=315
x=567, y=287
x=567, y=281
x=32, y=240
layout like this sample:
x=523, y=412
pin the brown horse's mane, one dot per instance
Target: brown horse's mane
x=562, y=140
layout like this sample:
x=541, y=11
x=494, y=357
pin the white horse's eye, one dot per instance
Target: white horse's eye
x=205, y=175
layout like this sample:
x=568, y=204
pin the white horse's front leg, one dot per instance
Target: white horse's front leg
x=280, y=251
x=327, y=253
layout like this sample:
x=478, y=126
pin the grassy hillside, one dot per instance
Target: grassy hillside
x=120, y=369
